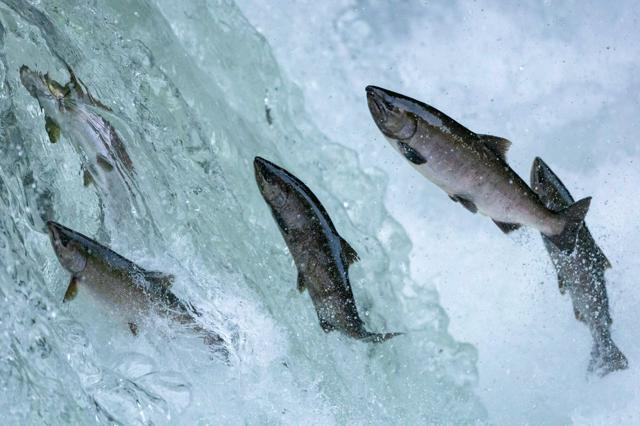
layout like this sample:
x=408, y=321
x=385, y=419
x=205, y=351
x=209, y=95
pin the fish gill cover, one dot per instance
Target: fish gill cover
x=195, y=94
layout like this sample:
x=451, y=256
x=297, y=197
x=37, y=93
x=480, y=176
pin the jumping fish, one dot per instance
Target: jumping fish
x=471, y=168
x=581, y=273
x=128, y=289
x=321, y=255
x=71, y=109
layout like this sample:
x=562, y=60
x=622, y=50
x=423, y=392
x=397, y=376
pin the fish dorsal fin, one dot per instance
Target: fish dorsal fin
x=159, y=280
x=72, y=290
x=349, y=252
x=498, y=145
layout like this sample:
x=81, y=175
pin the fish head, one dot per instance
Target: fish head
x=548, y=186
x=71, y=252
x=273, y=181
x=41, y=86
x=393, y=113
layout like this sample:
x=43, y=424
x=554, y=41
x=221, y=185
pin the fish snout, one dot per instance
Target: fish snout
x=30, y=80
x=54, y=231
x=376, y=103
x=259, y=166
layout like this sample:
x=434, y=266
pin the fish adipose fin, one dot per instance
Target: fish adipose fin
x=159, y=280
x=72, y=290
x=498, y=145
x=52, y=128
x=507, y=227
x=411, y=154
x=349, y=252
x=574, y=217
x=301, y=284
x=467, y=204
x=378, y=337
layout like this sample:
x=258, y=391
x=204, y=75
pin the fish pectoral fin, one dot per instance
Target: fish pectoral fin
x=466, y=203
x=159, y=280
x=52, y=128
x=411, y=154
x=134, y=328
x=349, y=252
x=507, y=227
x=104, y=163
x=301, y=283
x=496, y=144
x=72, y=290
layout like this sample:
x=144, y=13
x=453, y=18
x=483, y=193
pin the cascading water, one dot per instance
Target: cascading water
x=195, y=94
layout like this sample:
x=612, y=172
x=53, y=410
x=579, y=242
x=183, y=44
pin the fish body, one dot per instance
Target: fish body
x=72, y=110
x=581, y=274
x=321, y=255
x=471, y=168
x=127, y=290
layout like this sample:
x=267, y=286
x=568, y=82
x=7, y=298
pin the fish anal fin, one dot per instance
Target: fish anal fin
x=72, y=290
x=349, y=252
x=411, y=154
x=134, y=328
x=104, y=163
x=159, y=280
x=301, y=284
x=466, y=203
x=496, y=144
x=52, y=128
x=507, y=227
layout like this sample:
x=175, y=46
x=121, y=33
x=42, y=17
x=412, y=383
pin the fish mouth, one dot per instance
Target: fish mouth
x=53, y=231
x=375, y=101
x=269, y=178
x=262, y=168
x=58, y=234
x=28, y=79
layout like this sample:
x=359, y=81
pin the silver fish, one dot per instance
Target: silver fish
x=71, y=109
x=582, y=274
x=127, y=289
x=321, y=255
x=471, y=168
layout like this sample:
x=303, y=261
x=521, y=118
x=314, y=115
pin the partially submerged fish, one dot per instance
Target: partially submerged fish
x=321, y=255
x=71, y=109
x=471, y=168
x=581, y=273
x=129, y=290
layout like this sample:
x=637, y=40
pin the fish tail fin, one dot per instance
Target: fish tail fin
x=607, y=358
x=574, y=218
x=378, y=337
